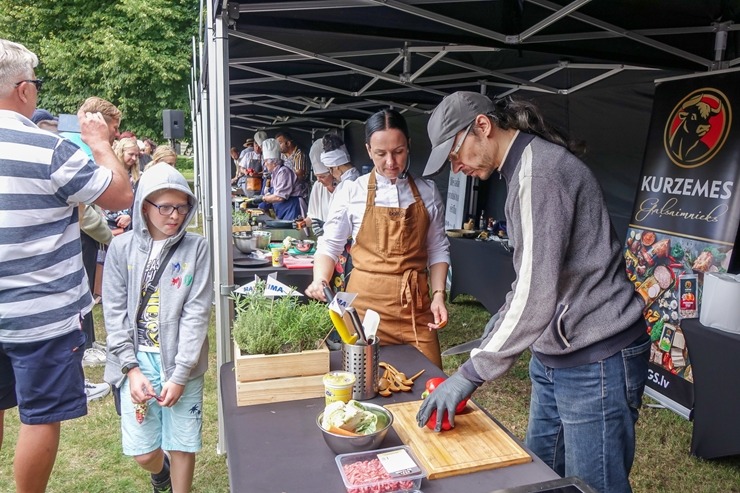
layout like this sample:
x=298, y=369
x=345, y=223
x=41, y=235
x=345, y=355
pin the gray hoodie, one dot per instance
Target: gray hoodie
x=185, y=289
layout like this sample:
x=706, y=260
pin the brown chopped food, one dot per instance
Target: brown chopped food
x=703, y=262
x=661, y=248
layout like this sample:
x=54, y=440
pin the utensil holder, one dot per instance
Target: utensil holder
x=362, y=362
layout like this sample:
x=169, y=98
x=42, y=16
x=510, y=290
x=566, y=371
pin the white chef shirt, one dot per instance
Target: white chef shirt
x=348, y=209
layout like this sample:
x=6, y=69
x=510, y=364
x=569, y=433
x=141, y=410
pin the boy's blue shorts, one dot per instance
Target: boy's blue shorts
x=44, y=379
x=176, y=428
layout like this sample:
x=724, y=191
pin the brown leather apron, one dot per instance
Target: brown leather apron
x=390, y=273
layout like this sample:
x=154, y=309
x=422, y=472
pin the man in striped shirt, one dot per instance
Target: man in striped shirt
x=43, y=287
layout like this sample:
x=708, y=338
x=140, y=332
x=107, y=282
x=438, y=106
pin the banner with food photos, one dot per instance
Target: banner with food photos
x=685, y=217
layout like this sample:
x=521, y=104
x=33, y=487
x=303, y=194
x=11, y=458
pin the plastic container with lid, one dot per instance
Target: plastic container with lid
x=387, y=470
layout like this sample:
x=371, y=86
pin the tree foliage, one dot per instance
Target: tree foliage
x=135, y=53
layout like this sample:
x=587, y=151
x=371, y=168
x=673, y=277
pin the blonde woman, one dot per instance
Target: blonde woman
x=127, y=151
x=163, y=154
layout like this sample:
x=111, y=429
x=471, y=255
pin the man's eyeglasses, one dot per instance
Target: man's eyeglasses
x=166, y=210
x=453, y=153
x=39, y=83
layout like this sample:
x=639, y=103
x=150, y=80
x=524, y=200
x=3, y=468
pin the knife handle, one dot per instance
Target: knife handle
x=356, y=323
x=328, y=293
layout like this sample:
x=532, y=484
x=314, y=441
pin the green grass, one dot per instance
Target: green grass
x=90, y=458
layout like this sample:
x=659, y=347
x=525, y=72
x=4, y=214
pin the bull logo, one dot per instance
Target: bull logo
x=697, y=128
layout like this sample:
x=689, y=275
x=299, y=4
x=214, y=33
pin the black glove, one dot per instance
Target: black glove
x=445, y=399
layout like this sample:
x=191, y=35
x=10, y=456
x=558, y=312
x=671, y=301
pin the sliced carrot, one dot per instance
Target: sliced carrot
x=342, y=431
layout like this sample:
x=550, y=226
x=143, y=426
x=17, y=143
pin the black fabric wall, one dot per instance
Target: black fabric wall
x=612, y=120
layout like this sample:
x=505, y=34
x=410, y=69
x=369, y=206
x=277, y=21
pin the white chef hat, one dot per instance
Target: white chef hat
x=270, y=149
x=260, y=137
x=315, y=154
x=335, y=158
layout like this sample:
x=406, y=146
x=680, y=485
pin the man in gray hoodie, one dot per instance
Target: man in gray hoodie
x=571, y=302
x=158, y=294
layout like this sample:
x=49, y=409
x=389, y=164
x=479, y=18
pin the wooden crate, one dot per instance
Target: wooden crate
x=261, y=378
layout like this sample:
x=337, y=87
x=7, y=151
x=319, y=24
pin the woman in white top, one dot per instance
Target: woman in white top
x=336, y=158
x=400, y=251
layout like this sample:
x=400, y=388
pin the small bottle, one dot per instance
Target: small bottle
x=482, y=221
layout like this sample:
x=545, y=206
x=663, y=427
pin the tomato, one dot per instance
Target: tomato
x=430, y=386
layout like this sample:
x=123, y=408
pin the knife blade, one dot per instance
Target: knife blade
x=465, y=347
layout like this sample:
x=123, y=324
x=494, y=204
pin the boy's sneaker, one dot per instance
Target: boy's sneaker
x=163, y=486
x=93, y=357
x=96, y=391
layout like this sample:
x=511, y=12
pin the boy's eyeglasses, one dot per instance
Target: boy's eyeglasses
x=36, y=82
x=166, y=210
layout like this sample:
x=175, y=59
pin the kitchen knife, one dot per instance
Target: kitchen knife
x=466, y=347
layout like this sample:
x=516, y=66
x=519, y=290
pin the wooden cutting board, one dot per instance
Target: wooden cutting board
x=476, y=443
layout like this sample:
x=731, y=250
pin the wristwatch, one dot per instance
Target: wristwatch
x=127, y=368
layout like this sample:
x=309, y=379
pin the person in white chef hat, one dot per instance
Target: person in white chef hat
x=322, y=190
x=284, y=192
x=336, y=158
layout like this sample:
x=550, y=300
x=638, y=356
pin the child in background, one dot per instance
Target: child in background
x=158, y=352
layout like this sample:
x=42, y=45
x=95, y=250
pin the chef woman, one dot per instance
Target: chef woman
x=400, y=251
x=284, y=191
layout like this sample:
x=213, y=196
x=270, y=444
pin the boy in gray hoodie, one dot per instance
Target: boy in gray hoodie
x=157, y=342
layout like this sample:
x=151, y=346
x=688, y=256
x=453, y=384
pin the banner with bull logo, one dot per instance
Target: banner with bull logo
x=685, y=217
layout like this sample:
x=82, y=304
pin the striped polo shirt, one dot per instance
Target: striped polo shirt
x=43, y=178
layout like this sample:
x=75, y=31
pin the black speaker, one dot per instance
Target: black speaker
x=173, y=124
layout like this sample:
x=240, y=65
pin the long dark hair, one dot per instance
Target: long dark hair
x=385, y=120
x=524, y=115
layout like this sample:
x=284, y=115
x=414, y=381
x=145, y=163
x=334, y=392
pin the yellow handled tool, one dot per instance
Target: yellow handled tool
x=337, y=320
x=341, y=327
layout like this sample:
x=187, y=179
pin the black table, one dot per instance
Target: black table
x=298, y=278
x=482, y=269
x=278, y=447
x=714, y=356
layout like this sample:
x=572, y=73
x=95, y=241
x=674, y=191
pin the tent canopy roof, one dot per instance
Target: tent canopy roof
x=321, y=64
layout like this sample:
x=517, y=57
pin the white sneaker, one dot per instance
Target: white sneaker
x=96, y=391
x=93, y=357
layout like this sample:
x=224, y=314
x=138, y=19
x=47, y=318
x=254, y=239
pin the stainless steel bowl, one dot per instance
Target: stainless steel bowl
x=263, y=239
x=245, y=242
x=341, y=444
x=304, y=246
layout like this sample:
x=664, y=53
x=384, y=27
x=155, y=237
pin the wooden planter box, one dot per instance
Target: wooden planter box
x=261, y=379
